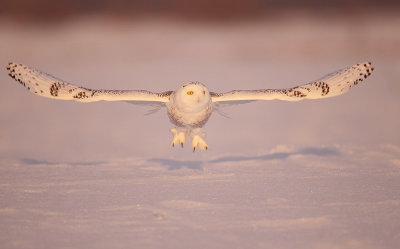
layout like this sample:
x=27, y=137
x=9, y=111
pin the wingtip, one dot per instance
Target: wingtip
x=9, y=65
x=367, y=66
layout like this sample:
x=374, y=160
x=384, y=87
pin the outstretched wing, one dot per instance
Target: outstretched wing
x=49, y=86
x=331, y=85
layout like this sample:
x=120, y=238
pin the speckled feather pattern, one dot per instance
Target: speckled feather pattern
x=49, y=86
x=329, y=86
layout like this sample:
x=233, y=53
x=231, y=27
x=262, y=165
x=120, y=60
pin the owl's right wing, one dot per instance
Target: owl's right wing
x=48, y=86
x=331, y=85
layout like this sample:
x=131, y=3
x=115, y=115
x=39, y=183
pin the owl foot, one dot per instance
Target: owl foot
x=198, y=136
x=179, y=137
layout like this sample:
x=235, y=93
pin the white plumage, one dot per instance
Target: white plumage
x=189, y=107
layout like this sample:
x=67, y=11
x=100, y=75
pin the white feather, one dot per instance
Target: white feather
x=48, y=86
x=329, y=86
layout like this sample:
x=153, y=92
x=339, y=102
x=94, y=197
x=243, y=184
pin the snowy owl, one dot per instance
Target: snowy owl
x=189, y=107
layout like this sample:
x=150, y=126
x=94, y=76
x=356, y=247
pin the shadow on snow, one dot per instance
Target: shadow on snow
x=198, y=165
x=29, y=161
x=176, y=164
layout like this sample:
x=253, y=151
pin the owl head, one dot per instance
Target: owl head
x=192, y=96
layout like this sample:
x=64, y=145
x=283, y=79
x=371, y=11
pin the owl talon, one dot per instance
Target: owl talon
x=198, y=140
x=179, y=137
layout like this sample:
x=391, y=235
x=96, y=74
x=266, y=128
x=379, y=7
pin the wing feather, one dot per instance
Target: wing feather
x=330, y=85
x=48, y=86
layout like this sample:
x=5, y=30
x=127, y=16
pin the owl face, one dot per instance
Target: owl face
x=192, y=96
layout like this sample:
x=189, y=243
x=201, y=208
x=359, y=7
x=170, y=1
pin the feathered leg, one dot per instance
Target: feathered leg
x=198, y=136
x=179, y=136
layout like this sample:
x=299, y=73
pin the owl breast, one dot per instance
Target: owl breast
x=189, y=119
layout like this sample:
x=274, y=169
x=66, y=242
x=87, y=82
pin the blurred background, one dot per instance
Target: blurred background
x=158, y=45
x=206, y=10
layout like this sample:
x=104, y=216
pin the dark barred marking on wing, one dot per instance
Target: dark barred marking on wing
x=46, y=85
x=329, y=86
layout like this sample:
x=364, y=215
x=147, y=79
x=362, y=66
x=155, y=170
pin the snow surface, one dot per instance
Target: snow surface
x=310, y=174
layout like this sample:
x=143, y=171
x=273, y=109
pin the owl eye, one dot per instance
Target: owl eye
x=189, y=93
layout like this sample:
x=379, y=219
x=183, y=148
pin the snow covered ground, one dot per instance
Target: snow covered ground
x=310, y=174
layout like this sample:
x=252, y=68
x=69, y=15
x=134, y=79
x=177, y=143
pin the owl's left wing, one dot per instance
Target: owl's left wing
x=331, y=85
x=48, y=86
